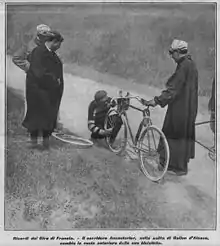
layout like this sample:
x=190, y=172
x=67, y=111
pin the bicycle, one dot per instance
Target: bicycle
x=154, y=162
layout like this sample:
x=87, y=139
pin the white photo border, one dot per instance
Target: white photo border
x=6, y=236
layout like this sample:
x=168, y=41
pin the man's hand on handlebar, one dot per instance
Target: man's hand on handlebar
x=150, y=103
x=112, y=103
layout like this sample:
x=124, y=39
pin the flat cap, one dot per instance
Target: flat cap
x=178, y=45
x=100, y=95
x=43, y=29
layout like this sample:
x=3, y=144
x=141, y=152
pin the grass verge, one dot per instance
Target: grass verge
x=67, y=188
x=127, y=40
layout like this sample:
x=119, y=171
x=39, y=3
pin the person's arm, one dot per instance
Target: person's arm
x=20, y=59
x=211, y=104
x=91, y=122
x=173, y=86
x=111, y=103
x=91, y=119
x=61, y=79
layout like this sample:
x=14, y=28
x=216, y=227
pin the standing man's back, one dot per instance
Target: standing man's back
x=21, y=57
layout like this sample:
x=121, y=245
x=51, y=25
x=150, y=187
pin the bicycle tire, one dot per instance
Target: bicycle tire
x=107, y=139
x=162, y=139
x=71, y=139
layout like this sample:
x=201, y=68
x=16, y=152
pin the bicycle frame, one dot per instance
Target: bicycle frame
x=144, y=144
x=146, y=121
x=123, y=106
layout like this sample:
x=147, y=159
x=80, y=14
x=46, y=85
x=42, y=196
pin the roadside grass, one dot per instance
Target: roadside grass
x=66, y=188
x=127, y=40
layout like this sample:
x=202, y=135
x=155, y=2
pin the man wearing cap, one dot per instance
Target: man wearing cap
x=21, y=57
x=44, y=89
x=181, y=97
x=97, y=112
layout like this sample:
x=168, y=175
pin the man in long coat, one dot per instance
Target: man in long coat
x=21, y=56
x=44, y=89
x=181, y=96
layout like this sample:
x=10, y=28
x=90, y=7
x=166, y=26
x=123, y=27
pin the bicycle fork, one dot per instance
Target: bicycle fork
x=146, y=121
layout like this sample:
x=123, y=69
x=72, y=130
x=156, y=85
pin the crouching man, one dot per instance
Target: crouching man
x=97, y=112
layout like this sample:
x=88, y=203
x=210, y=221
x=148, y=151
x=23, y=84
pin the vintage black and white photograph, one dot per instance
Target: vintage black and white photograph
x=110, y=116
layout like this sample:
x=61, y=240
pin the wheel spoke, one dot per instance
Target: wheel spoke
x=153, y=139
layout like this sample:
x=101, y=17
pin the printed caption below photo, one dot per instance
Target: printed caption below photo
x=112, y=240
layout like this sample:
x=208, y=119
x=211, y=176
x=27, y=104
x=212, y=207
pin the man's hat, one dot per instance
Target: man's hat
x=100, y=95
x=55, y=35
x=178, y=45
x=43, y=29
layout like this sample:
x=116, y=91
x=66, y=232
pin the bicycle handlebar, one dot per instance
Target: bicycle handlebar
x=130, y=97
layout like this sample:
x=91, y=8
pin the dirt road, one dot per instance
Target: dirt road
x=186, y=202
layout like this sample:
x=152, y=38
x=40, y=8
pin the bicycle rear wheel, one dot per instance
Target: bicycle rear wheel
x=154, y=153
x=71, y=139
x=118, y=139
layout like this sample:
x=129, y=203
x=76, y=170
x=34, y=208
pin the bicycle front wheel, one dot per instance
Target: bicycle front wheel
x=154, y=153
x=117, y=141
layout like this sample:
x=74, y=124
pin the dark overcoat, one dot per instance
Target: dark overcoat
x=181, y=96
x=211, y=107
x=44, y=89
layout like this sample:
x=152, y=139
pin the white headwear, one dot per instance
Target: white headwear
x=43, y=29
x=178, y=45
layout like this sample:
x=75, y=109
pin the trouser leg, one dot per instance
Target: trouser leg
x=46, y=136
x=34, y=136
